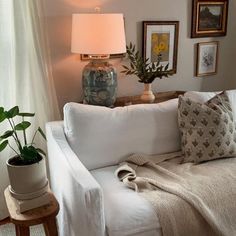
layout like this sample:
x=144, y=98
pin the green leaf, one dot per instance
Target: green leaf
x=145, y=70
x=13, y=112
x=29, y=151
x=166, y=67
x=125, y=67
x=41, y=151
x=23, y=125
x=3, y=145
x=29, y=154
x=133, y=49
x=123, y=71
x=2, y=114
x=153, y=66
x=7, y=134
x=23, y=114
x=42, y=133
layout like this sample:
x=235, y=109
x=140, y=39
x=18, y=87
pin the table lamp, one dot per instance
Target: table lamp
x=98, y=36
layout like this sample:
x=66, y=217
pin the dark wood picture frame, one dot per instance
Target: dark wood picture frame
x=209, y=18
x=169, y=30
x=207, y=58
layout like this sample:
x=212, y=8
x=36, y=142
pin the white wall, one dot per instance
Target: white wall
x=231, y=44
x=67, y=67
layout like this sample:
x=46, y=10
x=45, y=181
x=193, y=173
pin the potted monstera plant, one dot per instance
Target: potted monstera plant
x=146, y=71
x=26, y=169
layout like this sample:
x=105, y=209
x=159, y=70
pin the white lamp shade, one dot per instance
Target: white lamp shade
x=98, y=34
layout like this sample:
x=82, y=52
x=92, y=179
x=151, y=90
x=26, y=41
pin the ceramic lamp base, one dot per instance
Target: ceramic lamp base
x=99, y=83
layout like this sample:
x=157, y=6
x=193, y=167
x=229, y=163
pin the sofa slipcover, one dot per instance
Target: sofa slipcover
x=126, y=212
x=102, y=136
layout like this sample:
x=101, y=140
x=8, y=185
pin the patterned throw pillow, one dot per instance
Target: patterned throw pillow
x=207, y=130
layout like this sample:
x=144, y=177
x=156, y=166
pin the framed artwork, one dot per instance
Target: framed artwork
x=85, y=57
x=207, y=58
x=160, y=39
x=209, y=18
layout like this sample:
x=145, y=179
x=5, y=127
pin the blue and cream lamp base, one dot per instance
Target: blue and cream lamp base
x=98, y=35
x=99, y=83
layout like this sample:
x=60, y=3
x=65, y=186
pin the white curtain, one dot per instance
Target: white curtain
x=25, y=72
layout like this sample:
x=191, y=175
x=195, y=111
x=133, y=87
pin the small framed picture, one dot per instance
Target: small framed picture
x=209, y=18
x=160, y=39
x=207, y=58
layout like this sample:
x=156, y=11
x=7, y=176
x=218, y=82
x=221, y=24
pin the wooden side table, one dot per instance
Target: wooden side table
x=45, y=215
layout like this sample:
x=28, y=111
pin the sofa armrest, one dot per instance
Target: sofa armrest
x=79, y=195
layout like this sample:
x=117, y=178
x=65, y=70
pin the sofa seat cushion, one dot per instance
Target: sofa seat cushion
x=126, y=212
x=102, y=136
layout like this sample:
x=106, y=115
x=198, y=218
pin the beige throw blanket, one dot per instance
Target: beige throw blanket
x=190, y=200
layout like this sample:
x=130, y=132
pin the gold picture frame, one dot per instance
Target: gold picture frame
x=207, y=58
x=209, y=18
x=161, y=38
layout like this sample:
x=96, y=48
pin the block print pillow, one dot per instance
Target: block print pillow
x=207, y=130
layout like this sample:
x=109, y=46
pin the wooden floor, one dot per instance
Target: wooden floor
x=5, y=221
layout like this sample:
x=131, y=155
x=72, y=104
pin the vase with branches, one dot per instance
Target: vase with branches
x=145, y=70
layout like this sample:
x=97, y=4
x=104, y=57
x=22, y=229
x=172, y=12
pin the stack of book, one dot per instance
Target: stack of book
x=25, y=205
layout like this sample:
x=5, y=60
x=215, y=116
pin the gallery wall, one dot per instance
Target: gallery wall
x=67, y=67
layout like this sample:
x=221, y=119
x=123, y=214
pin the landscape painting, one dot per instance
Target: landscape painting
x=209, y=18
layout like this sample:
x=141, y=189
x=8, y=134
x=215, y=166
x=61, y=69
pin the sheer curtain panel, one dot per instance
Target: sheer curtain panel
x=25, y=70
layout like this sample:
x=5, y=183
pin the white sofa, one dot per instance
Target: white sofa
x=84, y=151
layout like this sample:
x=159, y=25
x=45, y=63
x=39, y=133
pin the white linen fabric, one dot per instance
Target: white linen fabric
x=94, y=203
x=200, y=97
x=25, y=74
x=78, y=193
x=103, y=136
x=205, y=96
x=126, y=212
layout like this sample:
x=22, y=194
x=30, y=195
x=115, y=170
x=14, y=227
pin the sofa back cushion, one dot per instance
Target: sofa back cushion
x=103, y=136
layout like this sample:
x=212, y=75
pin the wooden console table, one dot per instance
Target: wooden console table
x=160, y=97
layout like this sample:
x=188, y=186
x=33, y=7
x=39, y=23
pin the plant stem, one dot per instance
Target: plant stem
x=13, y=149
x=24, y=133
x=13, y=132
x=34, y=136
x=16, y=136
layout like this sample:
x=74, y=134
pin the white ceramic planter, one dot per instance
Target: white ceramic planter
x=28, y=181
x=147, y=96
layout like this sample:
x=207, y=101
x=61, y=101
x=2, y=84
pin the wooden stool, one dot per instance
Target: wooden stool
x=45, y=215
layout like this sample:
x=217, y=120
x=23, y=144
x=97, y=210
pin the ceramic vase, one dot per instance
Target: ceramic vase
x=147, y=96
x=27, y=181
